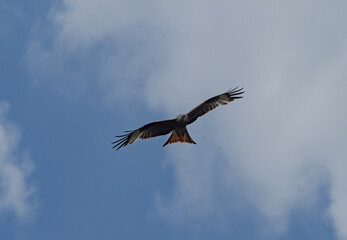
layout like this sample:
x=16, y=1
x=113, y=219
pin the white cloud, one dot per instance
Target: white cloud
x=15, y=168
x=108, y=47
x=279, y=143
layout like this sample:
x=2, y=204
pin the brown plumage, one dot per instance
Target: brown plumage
x=179, y=135
x=178, y=125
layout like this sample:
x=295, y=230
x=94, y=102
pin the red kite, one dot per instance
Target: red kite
x=177, y=125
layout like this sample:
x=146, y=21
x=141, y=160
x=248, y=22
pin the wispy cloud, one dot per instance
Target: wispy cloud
x=279, y=144
x=15, y=167
x=83, y=50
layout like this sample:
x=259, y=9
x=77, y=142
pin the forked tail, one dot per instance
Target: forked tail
x=179, y=135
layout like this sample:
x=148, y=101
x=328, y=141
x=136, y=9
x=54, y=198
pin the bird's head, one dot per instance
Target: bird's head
x=181, y=117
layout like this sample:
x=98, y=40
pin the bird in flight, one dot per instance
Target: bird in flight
x=177, y=125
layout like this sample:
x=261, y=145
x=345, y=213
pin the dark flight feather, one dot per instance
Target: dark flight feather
x=212, y=103
x=150, y=130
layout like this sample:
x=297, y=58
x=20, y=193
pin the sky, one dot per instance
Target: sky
x=268, y=166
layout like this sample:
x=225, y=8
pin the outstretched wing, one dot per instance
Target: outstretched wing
x=150, y=130
x=214, y=102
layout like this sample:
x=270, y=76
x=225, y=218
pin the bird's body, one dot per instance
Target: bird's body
x=177, y=125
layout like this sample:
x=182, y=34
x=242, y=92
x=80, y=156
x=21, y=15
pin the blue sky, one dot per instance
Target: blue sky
x=269, y=166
